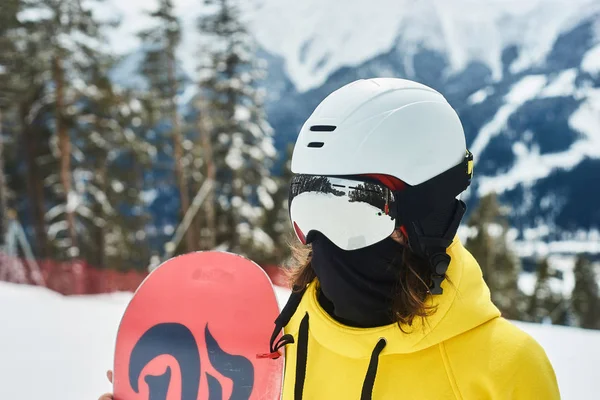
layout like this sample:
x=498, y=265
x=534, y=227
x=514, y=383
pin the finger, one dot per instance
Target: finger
x=109, y=375
x=106, y=396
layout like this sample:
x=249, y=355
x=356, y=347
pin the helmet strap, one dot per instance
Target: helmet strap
x=419, y=201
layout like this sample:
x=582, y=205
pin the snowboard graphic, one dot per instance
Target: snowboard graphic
x=193, y=329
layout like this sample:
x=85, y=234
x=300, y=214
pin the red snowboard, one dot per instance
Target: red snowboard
x=192, y=332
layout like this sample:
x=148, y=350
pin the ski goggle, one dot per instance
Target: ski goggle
x=352, y=213
x=356, y=212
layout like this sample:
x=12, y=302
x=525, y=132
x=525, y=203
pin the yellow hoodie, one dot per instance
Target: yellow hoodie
x=464, y=351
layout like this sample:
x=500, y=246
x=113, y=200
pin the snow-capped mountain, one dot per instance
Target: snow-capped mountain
x=318, y=37
x=524, y=76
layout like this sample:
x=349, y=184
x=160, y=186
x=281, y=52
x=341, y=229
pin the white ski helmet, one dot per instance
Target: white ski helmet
x=381, y=126
x=372, y=128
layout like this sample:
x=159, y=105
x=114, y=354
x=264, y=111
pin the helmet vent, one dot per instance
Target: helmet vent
x=316, y=144
x=323, y=128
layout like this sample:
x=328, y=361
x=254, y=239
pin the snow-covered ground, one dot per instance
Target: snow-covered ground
x=58, y=348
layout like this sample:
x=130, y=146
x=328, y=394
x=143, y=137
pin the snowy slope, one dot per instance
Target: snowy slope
x=58, y=348
x=52, y=347
x=530, y=165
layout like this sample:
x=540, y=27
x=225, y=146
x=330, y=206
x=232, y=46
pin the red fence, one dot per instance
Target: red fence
x=78, y=277
x=81, y=278
x=68, y=278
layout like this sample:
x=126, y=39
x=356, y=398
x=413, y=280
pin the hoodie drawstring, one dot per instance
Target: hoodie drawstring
x=302, y=361
x=367, y=389
x=302, y=348
x=301, y=358
x=282, y=320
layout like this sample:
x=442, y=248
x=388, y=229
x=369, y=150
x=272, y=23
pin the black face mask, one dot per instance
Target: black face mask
x=358, y=286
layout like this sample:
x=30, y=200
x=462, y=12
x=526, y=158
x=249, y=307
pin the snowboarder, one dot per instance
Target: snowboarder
x=387, y=302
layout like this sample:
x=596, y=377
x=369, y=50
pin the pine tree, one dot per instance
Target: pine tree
x=241, y=138
x=585, y=298
x=160, y=68
x=63, y=39
x=204, y=161
x=8, y=20
x=8, y=52
x=41, y=159
x=84, y=157
x=544, y=303
x=3, y=187
x=25, y=107
x=500, y=267
x=108, y=180
x=277, y=222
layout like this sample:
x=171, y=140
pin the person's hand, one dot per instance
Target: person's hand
x=108, y=396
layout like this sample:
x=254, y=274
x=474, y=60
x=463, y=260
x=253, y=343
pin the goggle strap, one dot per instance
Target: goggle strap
x=416, y=202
